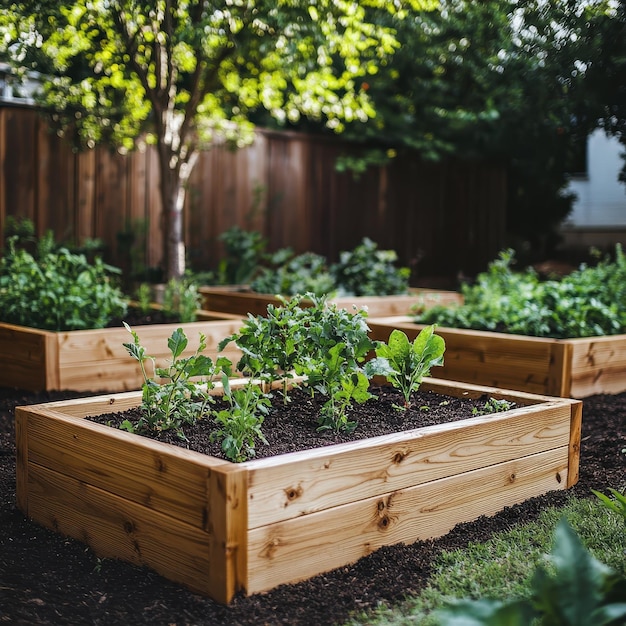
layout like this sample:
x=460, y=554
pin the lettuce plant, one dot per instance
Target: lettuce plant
x=404, y=363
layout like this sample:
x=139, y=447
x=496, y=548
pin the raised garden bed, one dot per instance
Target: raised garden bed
x=240, y=300
x=84, y=360
x=574, y=368
x=220, y=528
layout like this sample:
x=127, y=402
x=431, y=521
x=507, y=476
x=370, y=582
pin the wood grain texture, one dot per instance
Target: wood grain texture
x=96, y=360
x=301, y=547
x=302, y=483
x=116, y=527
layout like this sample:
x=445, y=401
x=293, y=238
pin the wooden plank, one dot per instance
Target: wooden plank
x=23, y=350
x=158, y=476
x=598, y=365
x=301, y=483
x=22, y=461
x=92, y=360
x=85, y=195
x=126, y=530
x=228, y=510
x=301, y=547
x=3, y=186
x=573, y=463
x=239, y=300
x=482, y=357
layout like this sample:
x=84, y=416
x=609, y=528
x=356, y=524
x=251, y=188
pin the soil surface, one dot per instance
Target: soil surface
x=48, y=579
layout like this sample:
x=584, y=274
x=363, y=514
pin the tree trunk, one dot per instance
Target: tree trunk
x=173, y=190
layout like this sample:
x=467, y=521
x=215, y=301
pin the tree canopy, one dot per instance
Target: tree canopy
x=188, y=73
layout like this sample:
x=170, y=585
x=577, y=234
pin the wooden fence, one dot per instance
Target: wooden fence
x=441, y=218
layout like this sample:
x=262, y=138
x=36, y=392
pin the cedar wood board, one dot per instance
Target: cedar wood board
x=96, y=360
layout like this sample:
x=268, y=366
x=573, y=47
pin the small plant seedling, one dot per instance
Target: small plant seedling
x=181, y=399
x=493, y=405
x=404, y=363
x=240, y=424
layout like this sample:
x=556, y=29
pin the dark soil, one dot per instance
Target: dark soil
x=49, y=579
x=293, y=425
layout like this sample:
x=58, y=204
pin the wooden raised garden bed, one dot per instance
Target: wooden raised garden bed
x=570, y=368
x=240, y=300
x=96, y=360
x=220, y=528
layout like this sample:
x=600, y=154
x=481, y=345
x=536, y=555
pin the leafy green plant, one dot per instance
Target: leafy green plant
x=335, y=346
x=181, y=298
x=272, y=344
x=493, y=405
x=54, y=289
x=321, y=342
x=240, y=423
x=305, y=273
x=368, y=271
x=143, y=295
x=243, y=255
x=404, y=363
x=616, y=502
x=585, y=303
x=180, y=399
x=576, y=590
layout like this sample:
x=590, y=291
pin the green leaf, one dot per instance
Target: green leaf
x=177, y=342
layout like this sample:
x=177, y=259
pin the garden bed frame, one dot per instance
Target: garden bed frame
x=240, y=300
x=222, y=528
x=96, y=360
x=569, y=368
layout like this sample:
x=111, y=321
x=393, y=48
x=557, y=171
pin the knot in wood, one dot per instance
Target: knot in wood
x=293, y=493
x=398, y=457
x=384, y=522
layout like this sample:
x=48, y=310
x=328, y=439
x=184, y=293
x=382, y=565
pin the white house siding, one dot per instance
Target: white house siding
x=598, y=216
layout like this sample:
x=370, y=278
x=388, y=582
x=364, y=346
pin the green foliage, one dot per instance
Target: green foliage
x=587, y=303
x=182, y=299
x=336, y=344
x=404, y=363
x=305, y=273
x=272, y=344
x=240, y=423
x=368, y=271
x=363, y=271
x=54, y=289
x=143, y=295
x=493, y=405
x=185, y=396
x=577, y=590
x=243, y=255
x=616, y=503
x=322, y=342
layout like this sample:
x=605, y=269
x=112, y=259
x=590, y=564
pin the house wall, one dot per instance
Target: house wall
x=598, y=216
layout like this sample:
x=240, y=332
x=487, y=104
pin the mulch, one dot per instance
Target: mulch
x=49, y=579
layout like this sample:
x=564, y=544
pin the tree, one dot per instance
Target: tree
x=188, y=73
x=498, y=80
